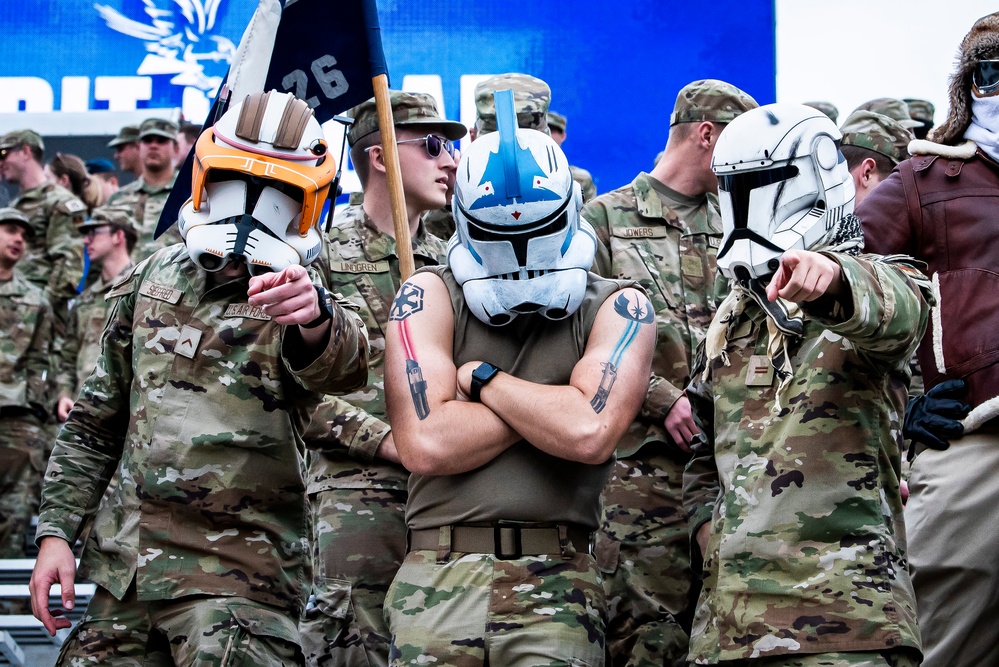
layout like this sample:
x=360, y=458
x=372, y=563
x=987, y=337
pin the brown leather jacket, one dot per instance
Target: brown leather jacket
x=945, y=212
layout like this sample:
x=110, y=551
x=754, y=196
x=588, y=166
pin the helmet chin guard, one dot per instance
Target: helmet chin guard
x=261, y=177
x=782, y=184
x=520, y=245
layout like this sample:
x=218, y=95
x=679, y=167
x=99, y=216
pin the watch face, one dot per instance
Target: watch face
x=484, y=372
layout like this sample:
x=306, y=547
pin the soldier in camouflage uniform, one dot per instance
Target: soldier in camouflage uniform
x=146, y=195
x=923, y=111
x=109, y=237
x=663, y=231
x=53, y=259
x=894, y=108
x=557, y=123
x=793, y=492
x=531, y=98
x=357, y=487
x=26, y=323
x=508, y=464
x=203, y=386
x=126, y=150
x=873, y=145
x=828, y=108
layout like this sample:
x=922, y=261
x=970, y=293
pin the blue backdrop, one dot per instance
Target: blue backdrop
x=614, y=67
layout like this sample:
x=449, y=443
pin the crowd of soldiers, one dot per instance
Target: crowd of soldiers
x=475, y=482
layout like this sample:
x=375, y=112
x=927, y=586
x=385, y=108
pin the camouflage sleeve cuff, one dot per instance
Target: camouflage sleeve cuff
x=885, y=314
x=660, y=399
x=47, y=528
x=368, y=438
x=342, y=365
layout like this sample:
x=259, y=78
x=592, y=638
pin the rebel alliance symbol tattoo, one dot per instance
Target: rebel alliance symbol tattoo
x=408, y=301
x=637, y=314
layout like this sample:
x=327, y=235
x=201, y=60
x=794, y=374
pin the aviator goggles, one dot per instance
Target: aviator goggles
x=986, y=77
x=432, y=143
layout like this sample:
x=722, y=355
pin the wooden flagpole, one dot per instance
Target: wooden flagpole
x=397, y=198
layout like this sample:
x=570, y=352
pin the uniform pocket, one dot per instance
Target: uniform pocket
x=261, y=638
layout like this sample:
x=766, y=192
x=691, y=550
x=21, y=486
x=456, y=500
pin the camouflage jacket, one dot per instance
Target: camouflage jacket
x=674, y=260
x=145, y=202
x=360, y=263
x=54, y=257
x=807, y=546
x=26, y=323
x=196, y=406
x=585, y=180
x=87, y=316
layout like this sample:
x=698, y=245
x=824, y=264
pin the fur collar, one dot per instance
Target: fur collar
x=964, y=151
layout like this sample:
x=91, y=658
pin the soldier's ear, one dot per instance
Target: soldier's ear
x=376, y=158
x=707, y=134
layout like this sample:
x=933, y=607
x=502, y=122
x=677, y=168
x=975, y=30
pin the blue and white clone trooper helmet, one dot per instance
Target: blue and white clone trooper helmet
x=520, y=246
x=261, y=176
x=782, y=184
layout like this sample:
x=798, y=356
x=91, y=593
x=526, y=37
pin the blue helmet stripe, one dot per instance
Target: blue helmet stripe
x=506, y=124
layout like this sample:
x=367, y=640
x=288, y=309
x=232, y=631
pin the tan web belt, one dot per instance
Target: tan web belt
x=506, y=540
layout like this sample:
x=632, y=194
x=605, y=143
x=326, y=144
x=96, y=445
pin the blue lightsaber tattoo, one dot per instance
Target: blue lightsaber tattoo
x=636, y=315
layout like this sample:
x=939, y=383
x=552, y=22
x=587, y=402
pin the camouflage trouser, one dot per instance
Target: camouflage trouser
x=22, y=447
x=475, y=609
x=902, y=658
x=643, y=554
x=951, y=524
x=197, y=630
x=360, y=541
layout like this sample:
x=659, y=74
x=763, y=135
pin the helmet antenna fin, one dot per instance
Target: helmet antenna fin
x=506, y=124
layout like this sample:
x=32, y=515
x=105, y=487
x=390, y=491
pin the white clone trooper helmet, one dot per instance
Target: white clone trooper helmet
x=261, y=176
x=520, y=245
x=782, y=184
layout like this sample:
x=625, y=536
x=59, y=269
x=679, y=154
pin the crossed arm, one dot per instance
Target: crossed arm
x=439, y=431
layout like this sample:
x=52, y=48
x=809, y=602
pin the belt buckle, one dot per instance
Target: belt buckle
x=498, y=529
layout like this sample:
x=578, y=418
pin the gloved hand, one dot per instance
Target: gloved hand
x=932, y=418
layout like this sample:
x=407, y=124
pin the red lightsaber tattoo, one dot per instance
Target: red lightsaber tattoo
x=408, y=301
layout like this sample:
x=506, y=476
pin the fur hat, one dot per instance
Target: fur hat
x=982, y=43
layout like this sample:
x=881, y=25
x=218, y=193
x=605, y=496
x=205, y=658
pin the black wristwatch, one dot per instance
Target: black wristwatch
x=480, y=378
x=325, y=308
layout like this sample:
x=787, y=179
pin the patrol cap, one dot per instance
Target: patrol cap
x=411, y=110
x=126, y=135
x=9, y=214
x=921, y=110
x=119, y=216
x=22, y=138
x=158, y=127
x=878, y=133
x=99, y=165
x=891, y=107
x=531, y=97
x=710, y=100
x=556, y=121
x=828, y=108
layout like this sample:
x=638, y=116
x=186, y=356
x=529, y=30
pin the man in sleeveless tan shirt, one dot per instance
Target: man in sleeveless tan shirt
x=510, y=376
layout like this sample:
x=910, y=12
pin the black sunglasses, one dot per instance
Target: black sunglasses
x=432, y=143
x=986, y=77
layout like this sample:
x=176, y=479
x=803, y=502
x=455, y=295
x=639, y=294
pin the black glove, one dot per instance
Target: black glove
x=932, y=418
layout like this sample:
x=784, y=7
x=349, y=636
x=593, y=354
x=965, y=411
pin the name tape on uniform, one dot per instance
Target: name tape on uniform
x=160, y=292
x=246, y=310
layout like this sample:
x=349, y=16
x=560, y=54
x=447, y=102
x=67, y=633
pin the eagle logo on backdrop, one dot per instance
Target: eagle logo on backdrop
x=179, y=40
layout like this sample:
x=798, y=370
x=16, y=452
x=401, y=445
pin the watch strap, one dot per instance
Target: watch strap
x=325, y=311
x=481, y=376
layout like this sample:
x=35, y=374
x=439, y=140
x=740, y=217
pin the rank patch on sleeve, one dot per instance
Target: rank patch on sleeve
x=760, y=372
x=187, y=344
